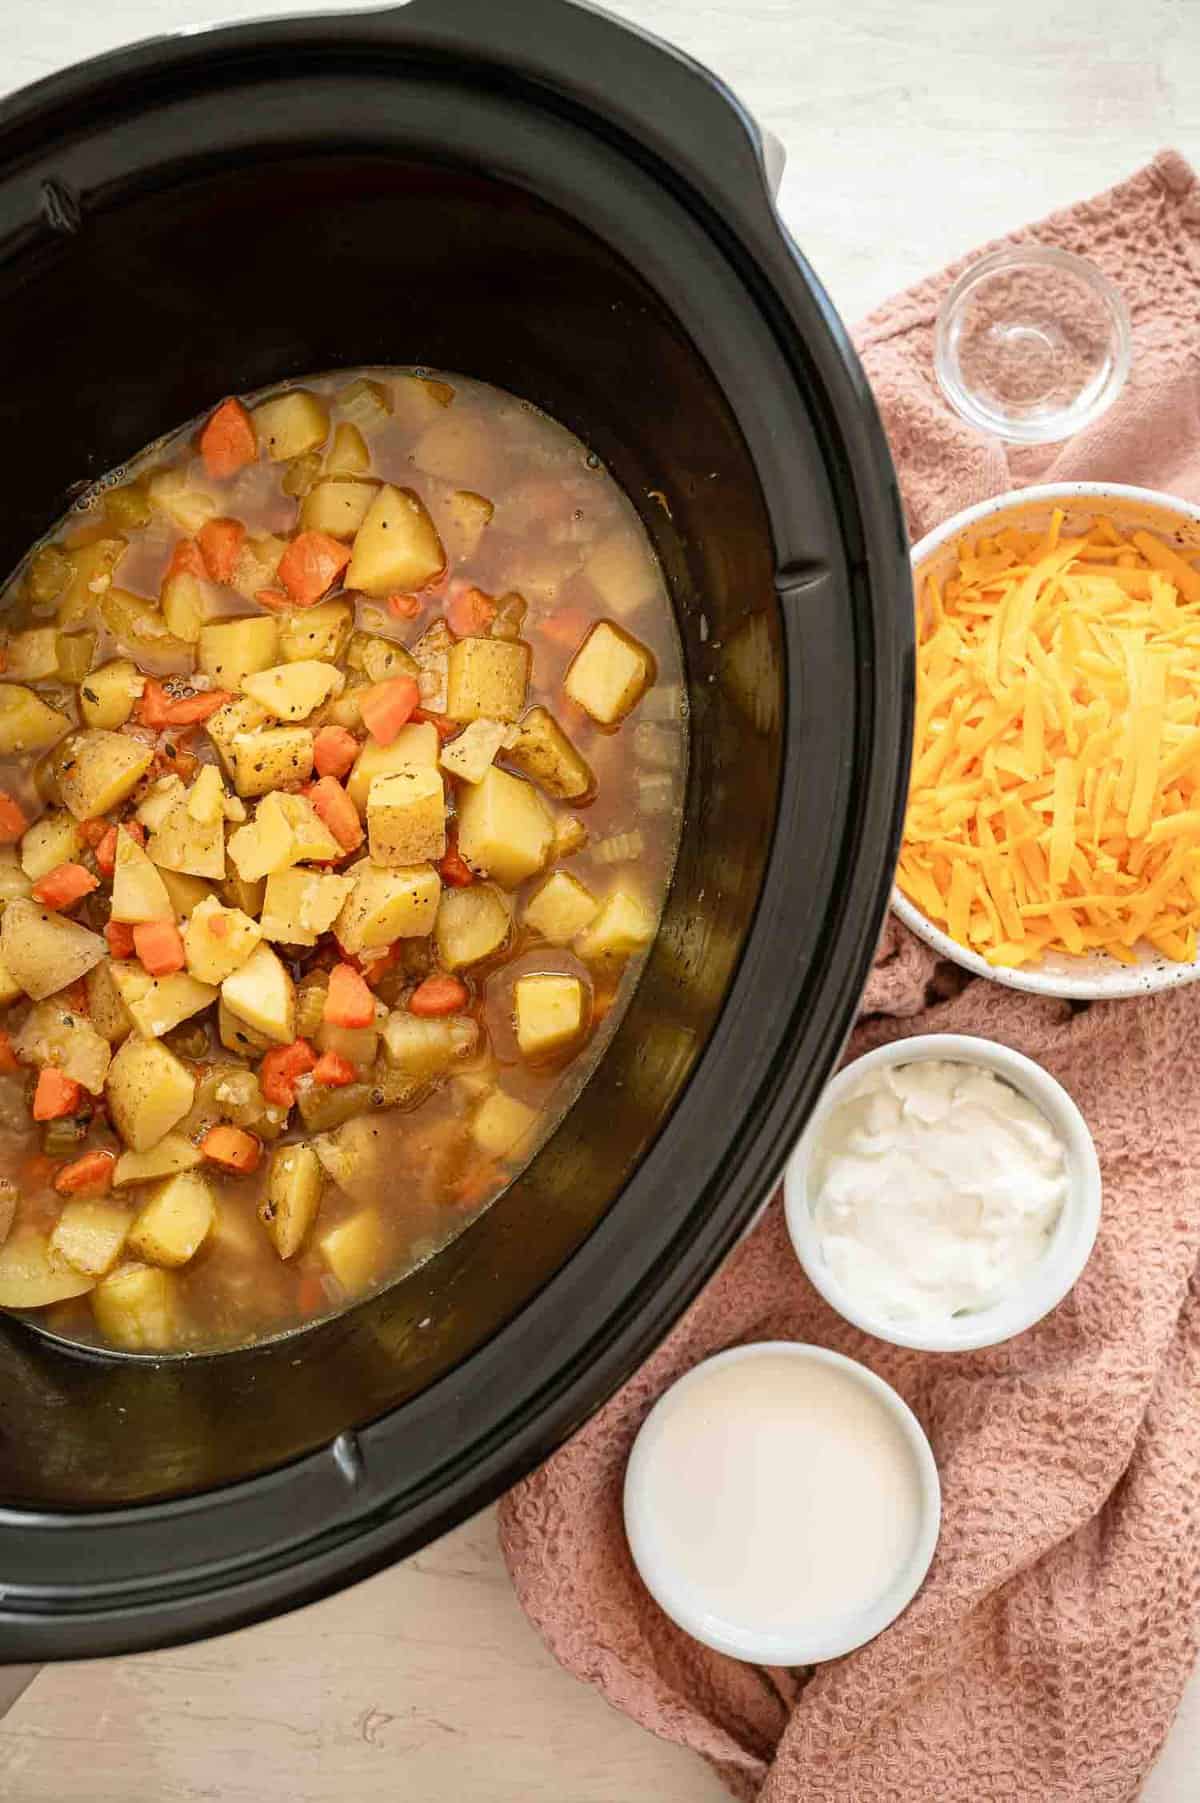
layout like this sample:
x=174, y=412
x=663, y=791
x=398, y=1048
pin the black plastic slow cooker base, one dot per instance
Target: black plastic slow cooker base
x=537, y=196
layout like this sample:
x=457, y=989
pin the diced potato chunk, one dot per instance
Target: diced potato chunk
x=107, y=695
x=472, y=924
x=187, y=602
x=295, y=690
x=33, y=654
x=272, y=758
x=291, y=424
x=348, y=454
x=44, y=951
x=186, y=892
x=561, y=908
x=300, y=905
x=459, y=446
x=156, y=1004
x=424, y=1049
x=184, y=503
x=54, y=1035
x=469, y=755
x=286, y=830
x=50, y=841
x=238, y=1036
x=406, y=817
x=337, y=507
x=550, y=1013
x=486, y=679
x=543, y=752
x=231, y=650
x=230, y=723
x=380, y=658
x=319, y=632
x=99, y=769
x=135, y=1308
x=504, y=828
x=173, y=1225
x=159, y=800
x=257, y=564
x=92, y=567
x=262, y=994
x=356, y=1251
x=10, y=989
x=396, y=547
x=412, y=745
x=31, y=1278
x=218, y=940
x=387, y=904
x=172, y=1153
x=609, y=673
x=140, y=627
x=206, y=797
x=27, y=723
x=193, y=847
x=624, y=925
x=89, y=1235
x=621, y=573
x=107, y=1012
x=289, y=1208
x=500, y=1123
x=149, y=1091
x=138, y=891
x=432, y=655
x=466, y=515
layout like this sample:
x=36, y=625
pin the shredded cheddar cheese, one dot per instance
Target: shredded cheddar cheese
x=1055, y=795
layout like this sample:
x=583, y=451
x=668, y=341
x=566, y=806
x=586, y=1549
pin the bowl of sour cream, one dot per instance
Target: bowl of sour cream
x=946, y=1193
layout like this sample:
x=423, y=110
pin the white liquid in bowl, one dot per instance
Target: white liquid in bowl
x=779, y=1496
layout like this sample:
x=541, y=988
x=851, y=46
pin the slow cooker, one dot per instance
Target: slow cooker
x=537, y=195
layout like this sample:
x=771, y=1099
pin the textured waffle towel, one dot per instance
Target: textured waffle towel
x=1046, y=1653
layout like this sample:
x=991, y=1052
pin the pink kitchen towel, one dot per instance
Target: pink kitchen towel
x=1046, y=1653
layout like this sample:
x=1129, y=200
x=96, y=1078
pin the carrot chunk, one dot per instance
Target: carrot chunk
x=186, y=560
x=120, y=939
x=405, y=607
x=348, y=1001
x=63, y=886
x=220, y=541
x=158, y=710
x=469, y=613
x=227, y=442
x=335, y=751
x=8, y=1058
x=438, y=995
x=280, y=1068
x=387, y=706
x=13, y=820
x=90, y=1175
x=106, y=848
x=333, y=806
x=55, y=1096
x=310, y=565
x=94, y=832
x=274, y=598
x=232, y=1148
x=159, y=946
x=333, y=1071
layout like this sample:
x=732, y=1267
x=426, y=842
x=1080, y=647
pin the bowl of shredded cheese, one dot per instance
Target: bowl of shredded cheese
x=1052, y=837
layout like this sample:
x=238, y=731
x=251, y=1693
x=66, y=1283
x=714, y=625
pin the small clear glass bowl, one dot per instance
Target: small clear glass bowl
x=1032, y=344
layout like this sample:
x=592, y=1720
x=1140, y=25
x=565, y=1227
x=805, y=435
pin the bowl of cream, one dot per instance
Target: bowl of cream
x=946, y=1193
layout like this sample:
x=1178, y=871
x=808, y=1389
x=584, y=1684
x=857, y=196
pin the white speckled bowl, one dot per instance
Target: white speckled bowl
x=1093, y=976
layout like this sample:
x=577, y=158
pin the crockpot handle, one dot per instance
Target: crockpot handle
x=612, y=70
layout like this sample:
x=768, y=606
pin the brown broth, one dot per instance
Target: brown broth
x=418, y=1168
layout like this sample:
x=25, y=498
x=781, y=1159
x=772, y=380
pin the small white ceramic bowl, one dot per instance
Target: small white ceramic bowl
x=1070, y=1245
x=686, y=1603
x=1091, y=976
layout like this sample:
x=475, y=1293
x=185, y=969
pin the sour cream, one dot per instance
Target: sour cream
x=936, y=1188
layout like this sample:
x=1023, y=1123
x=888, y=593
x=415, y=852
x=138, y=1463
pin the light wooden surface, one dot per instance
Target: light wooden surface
x=914, y=131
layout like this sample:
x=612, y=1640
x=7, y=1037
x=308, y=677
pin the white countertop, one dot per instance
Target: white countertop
x=426, y=1682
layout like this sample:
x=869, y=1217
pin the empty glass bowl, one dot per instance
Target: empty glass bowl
x=1032, y=344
